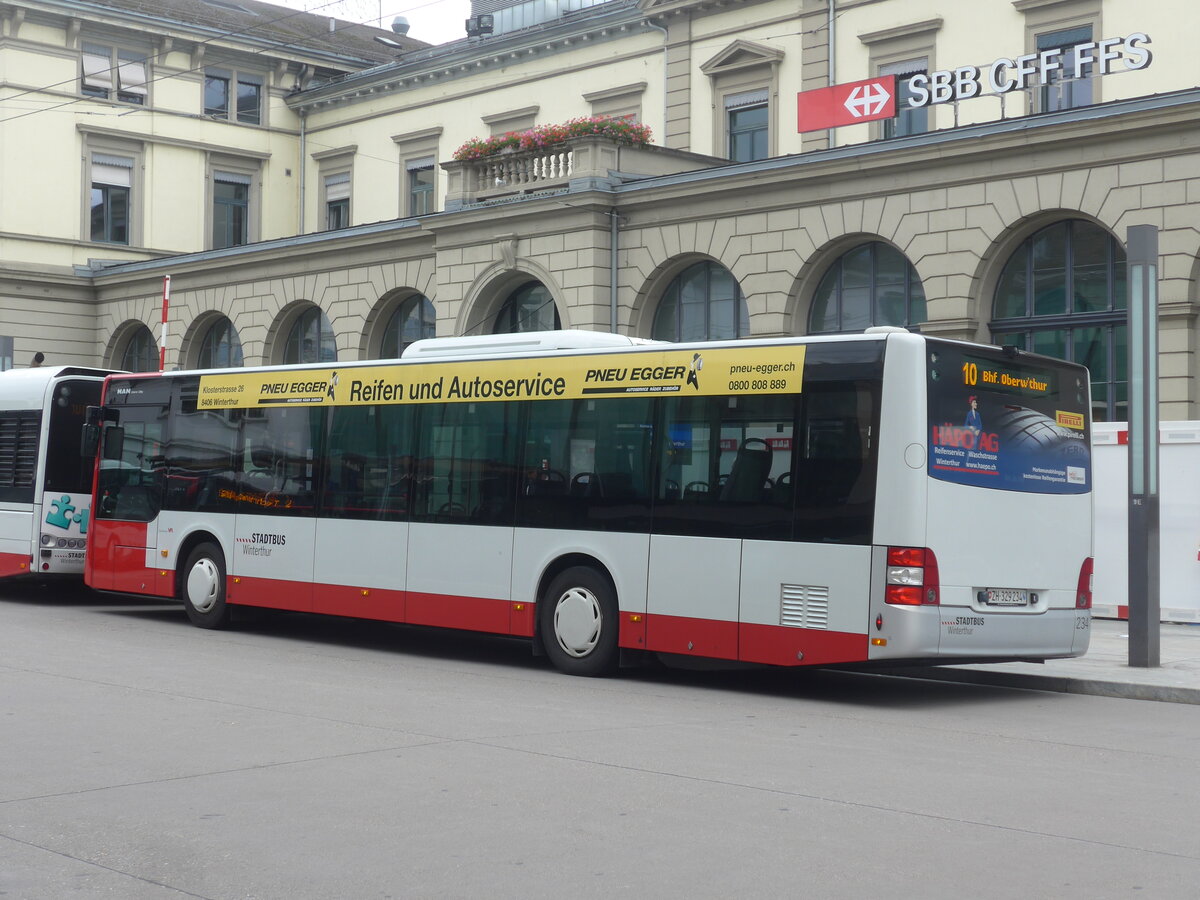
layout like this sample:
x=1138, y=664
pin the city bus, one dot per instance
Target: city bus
x=877, y=498
x=45, y=480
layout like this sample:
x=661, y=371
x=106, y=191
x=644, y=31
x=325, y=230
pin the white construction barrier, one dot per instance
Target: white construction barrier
x=1179, y=520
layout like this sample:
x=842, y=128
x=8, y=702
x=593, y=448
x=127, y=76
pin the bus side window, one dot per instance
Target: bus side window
x=836, y=488
x=466, y=469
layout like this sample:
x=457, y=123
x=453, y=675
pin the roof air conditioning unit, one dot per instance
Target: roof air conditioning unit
x=478, y=26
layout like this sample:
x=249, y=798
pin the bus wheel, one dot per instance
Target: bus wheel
x=202, y=587
x=579, y=622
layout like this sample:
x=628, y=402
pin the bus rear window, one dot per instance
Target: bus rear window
x=1011, y=423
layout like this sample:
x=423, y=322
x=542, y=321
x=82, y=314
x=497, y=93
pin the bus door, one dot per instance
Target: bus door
x=123, y=534
x=361, y=551
x=724, y=480
x=61, y=522
x=271, y=561
x=460, y=542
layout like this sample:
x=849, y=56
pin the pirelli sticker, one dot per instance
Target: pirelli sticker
x=1069, y=419
x=753, y=370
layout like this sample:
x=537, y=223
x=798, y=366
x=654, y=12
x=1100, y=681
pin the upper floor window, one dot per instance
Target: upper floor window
x=233, y=95
x=231, y=209
x=873, y=284
x=744, y=79
x=221, y=347
x=1070, y=85
x=1063, y=293
x=703, y=303
x=908, y=120
x=337, y=201
x=529, y=308
x=748, y=125
x=109, y=214
x=421, y=184
x=112, y=73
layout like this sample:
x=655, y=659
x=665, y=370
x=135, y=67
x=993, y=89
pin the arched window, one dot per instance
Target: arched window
x=411, y=321
x=529, y=308
x=141, y=352
x=703, y=303
x=873, y=284
x=221, y=347
x=1062, y=293
x=311, y=339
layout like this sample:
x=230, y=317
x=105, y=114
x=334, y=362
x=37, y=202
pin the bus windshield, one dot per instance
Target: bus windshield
x=1013, y=423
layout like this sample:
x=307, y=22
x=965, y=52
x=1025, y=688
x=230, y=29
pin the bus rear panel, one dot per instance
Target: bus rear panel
x=1000, y=486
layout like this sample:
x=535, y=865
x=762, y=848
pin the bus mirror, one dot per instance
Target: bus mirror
x=92, y=416
x=114, y=442
x=90, y=439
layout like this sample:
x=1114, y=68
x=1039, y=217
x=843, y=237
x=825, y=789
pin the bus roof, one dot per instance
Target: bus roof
x=523, y=343
x=26, y=388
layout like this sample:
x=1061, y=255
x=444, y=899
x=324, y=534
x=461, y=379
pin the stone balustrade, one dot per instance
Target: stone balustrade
x=589, y=161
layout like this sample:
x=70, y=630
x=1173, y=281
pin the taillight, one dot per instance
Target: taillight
x=912, y=577
x=1083, y=590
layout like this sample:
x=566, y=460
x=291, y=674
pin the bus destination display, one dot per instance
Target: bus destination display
x=1006, y=425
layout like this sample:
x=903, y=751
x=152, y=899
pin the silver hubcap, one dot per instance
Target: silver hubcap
x=203, y=585
x=577, y=621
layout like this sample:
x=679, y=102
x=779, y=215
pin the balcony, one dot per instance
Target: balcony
x=582, y=163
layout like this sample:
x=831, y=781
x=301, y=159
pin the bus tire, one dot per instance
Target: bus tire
x=202, y=587
x=579, y=625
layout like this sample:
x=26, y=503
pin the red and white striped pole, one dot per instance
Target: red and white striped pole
x=162, y=350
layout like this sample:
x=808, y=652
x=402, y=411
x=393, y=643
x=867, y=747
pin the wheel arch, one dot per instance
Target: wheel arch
x=556, y=567
x=187, y=545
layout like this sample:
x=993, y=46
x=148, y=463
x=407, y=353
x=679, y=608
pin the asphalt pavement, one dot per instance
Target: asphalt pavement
x=1104, y=671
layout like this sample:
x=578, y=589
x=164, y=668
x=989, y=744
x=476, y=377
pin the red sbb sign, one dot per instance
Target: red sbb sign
x=846, y=104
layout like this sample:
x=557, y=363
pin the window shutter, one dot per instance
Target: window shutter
x=745, y=98
x=133, y=76
x=97, y=68
x=337, y=187
x=907, y=67
x=115, y=170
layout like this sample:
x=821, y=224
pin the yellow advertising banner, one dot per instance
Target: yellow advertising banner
x=749, y=370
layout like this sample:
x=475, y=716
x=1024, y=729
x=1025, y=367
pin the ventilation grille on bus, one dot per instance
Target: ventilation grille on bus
x=18, y=449
x=804, y=605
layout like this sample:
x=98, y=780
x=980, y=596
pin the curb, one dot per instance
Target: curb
x=1062, y=684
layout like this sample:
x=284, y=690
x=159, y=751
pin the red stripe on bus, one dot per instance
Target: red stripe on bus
x=467, y=613
x=270, y=593
x=692, y=637
x=14, y=564
x=780, y=645
x=358, y=602
x=414, y=607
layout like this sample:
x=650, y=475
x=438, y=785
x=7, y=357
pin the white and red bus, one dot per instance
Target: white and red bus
x=829, y=500
x=45, y=481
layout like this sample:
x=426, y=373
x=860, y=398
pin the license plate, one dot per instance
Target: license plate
x=1005, y=597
